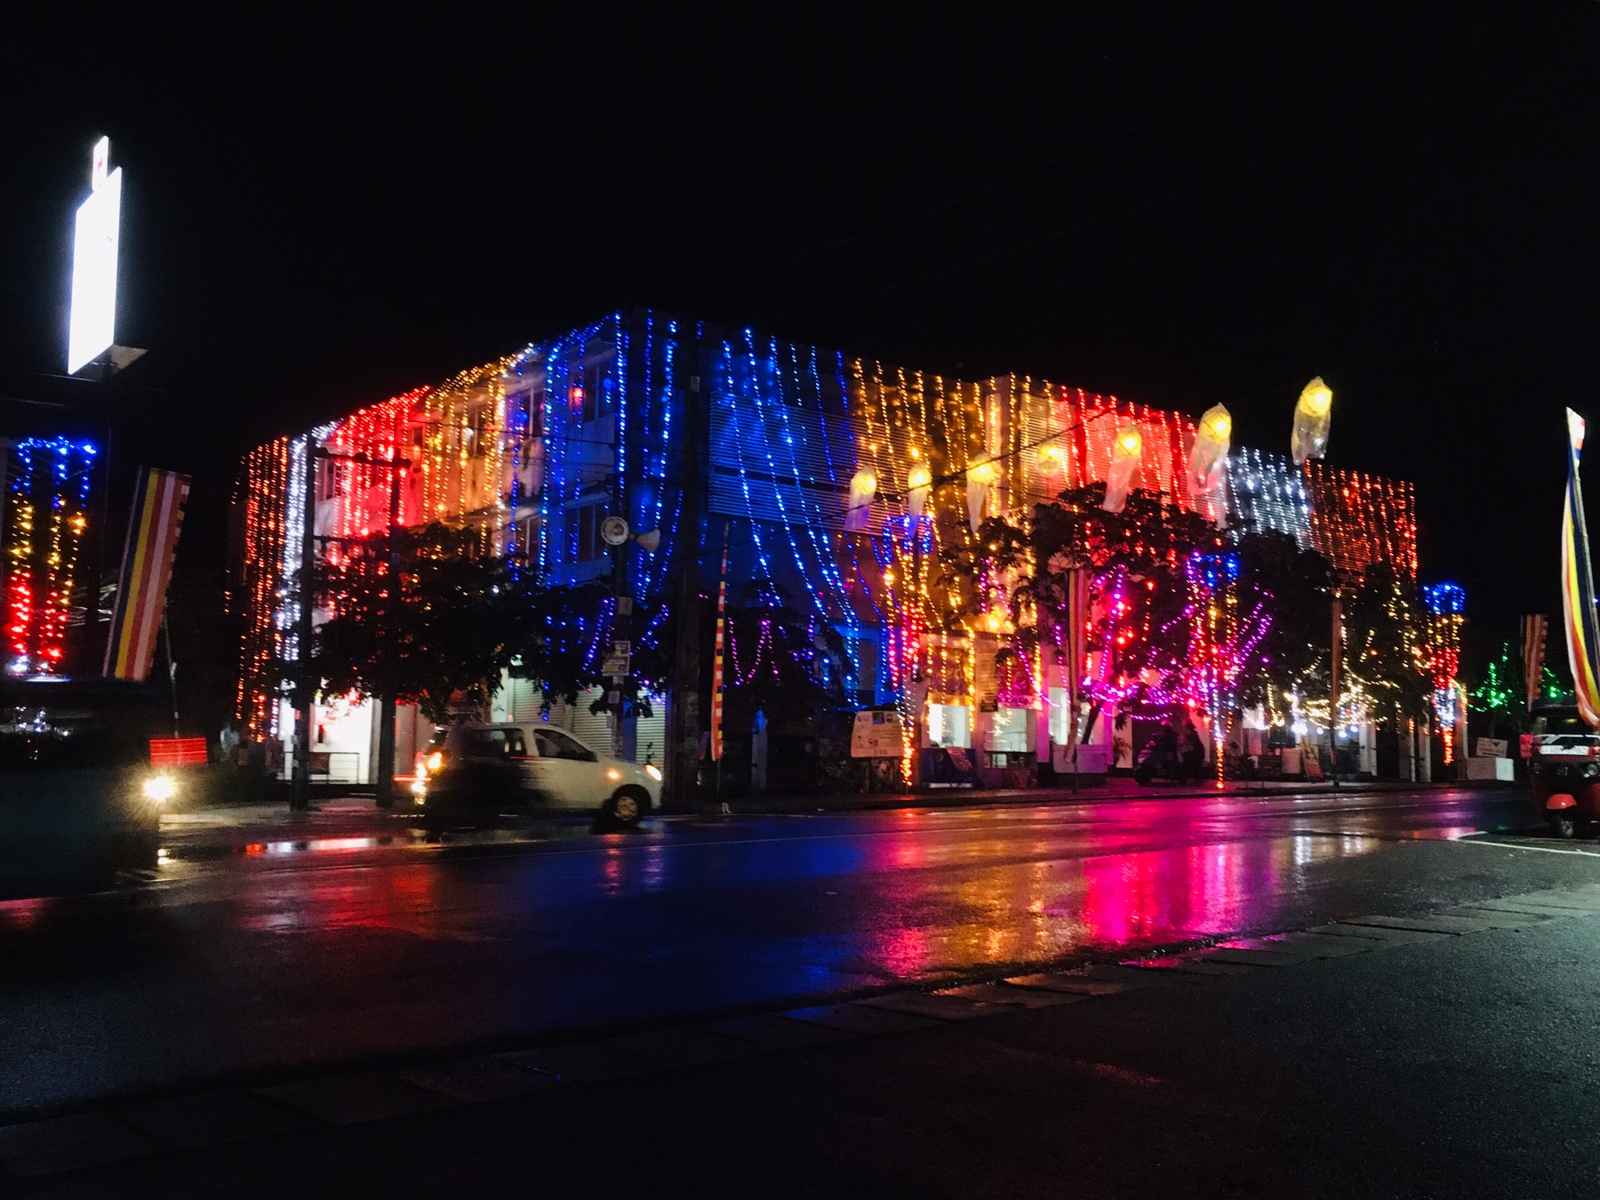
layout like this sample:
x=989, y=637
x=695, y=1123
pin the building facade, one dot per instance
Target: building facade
x=840, y=482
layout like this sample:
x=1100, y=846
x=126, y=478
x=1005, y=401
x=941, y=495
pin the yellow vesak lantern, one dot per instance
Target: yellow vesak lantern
x=858, y=509
x=1208, y=459
x=1126, y=451
x=919, y=483
x=1312, y=412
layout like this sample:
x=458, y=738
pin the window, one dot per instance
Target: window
x=475, y=433
x=496, y=743
x=535, y=413
x=1009, y=733
x=588, y=519
x=327, y=478
x=553, y=743
x=947, y=725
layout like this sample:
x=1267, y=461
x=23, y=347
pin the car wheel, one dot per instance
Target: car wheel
x=1563, y=824
x=628, y=806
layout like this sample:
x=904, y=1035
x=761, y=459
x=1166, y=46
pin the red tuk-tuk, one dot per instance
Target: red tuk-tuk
x=1564, y=769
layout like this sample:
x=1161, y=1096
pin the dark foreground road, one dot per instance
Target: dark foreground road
x=275, y=954
x=1455, y=1065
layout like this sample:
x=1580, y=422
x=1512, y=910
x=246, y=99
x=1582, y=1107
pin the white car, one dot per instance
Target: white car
x=549, y=767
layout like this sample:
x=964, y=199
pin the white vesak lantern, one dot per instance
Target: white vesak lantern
x=1210, y=453
x=980, y=481
x=1126, y=451
x=858, y=512
x=1208, y=460
x=919, y=483
x=1309, y=436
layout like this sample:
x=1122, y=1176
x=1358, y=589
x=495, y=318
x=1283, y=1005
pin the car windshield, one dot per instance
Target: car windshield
x=1560, y=720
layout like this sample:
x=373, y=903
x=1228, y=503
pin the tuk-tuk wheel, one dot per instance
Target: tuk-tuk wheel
x=1562, y=824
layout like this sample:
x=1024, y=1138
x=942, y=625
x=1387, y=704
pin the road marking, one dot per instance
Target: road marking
x=1477, y=841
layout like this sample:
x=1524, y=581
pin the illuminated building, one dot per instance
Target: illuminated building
x=840, y=479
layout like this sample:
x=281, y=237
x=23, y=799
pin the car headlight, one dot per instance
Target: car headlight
x=653, y=771
x=158, y=789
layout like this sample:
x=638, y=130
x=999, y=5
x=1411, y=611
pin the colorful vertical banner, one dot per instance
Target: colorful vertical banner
x=1535, y=632
x=1577, y=585
x=153, y=527
x=1076, y=647
x=716, y=660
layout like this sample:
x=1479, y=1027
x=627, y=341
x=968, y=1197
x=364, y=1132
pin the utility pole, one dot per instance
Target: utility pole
x=387, y=702
x=1334, y=665
x=300, y=795
x=686, y=711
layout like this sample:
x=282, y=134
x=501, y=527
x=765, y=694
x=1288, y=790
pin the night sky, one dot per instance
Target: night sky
x=1175, y=211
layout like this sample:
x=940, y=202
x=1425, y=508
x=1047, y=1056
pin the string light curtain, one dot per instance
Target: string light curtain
x=47, y=497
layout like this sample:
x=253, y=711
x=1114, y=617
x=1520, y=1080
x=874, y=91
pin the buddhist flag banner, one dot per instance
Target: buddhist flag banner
x=1535, y=629
x=1577, y=585
x=1076, y=647
x=153, y=525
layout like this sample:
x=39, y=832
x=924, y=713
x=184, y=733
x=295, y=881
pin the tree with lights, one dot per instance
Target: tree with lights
x=1501, y=694
x=1137, y=560
x=1294, y=585
x=458, y=618
x=1385, y=631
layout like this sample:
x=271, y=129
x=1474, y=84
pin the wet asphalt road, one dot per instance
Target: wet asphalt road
x=354, y=939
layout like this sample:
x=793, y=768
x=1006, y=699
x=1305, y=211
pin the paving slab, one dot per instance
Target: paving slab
x=627, y=1057
x=1076, y=983
x=1528, y=908
x=1579, y=901
x=1323, y=945
x=355, y=1099
x=767, y=1032
x=1181, y=967
x=1496, y=918
x=477, y=1080
x=677, y=1049
x=1239, y=956
x=925, y=1004
x=207, y=1118
x=858, y=1019
x=1430, y=923
x=1001, y=994
x=57, y=1144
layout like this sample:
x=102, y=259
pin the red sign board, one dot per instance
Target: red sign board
x=178, y=752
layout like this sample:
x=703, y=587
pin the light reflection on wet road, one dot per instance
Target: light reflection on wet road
x=351, y=941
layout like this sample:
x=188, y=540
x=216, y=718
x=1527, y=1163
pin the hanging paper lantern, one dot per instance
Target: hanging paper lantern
x=863, y=487
x=1210, y=452
x=1208, y=460
x=980, y=479
x=1125, y=454
x=1309, y=437
x=919, y=482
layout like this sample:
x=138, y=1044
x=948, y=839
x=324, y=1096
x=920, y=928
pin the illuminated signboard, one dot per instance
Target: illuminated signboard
x=94, y=265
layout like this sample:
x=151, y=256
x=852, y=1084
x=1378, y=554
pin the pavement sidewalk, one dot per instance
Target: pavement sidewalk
x=1436, y=1054
x=241, y=823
